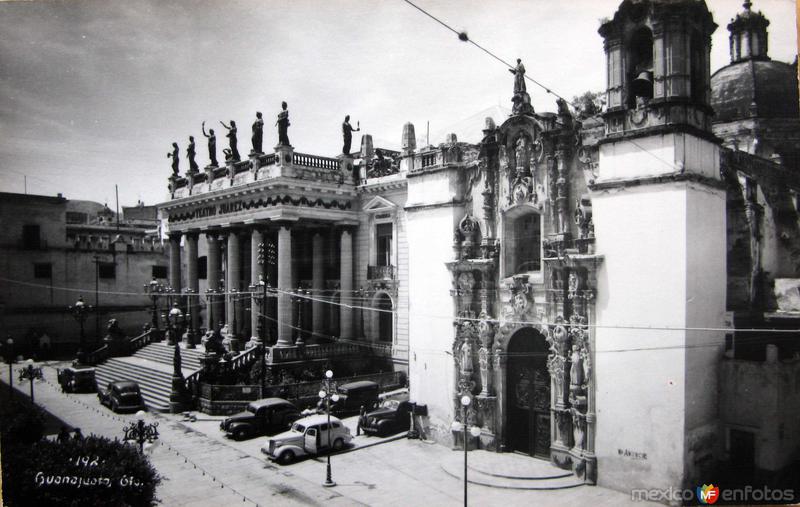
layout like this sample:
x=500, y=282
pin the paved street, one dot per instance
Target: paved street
x=201, y=467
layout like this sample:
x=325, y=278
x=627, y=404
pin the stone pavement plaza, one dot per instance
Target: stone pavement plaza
x=200, y=467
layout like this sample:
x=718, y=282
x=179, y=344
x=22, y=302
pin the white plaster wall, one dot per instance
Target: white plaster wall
x=706, y=291
x=658, y=155
x=641, y=234
x=431, y=334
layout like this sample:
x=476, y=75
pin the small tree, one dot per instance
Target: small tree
x=94, y=471
x=588, y=104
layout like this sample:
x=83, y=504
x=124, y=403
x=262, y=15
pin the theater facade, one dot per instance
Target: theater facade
x=567, y=275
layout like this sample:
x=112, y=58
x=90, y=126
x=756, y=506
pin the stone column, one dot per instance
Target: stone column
x=192, y=282
x=175, y=261
x=231, y=286
x=256, y=271
x=346, y=285
x=214, y=310
x=285, y=285
x=317, y=286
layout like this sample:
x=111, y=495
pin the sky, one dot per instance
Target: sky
x=94, y=92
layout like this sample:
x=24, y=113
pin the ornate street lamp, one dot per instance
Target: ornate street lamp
x=31, y=373
x=362, y=303
x=10, y=360
x=140, y=432
x=175, y=320
x=154, y=289
x=80, y=311
x=463, y=426
x=329, y=393
x=300, y=300
x=210, y=296
x=190, y=332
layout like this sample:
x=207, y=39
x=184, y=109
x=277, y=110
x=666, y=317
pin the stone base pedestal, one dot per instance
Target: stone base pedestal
x=230, y=342
x=178, y=399
x=190, y=339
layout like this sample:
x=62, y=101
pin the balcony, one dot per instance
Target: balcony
x=377, y=273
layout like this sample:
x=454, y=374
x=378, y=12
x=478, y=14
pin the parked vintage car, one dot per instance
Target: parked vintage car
x=121, y=395
x=392, y=417
x=77, y=380
x=262, y=417
x=309, y=436
x=352, y=396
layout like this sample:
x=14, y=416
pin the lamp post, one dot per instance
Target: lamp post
x=96, y=297
x=140, y=432
x=234, y=297
x=31, y=373
x=300, y=300
x=362, y=303
x=80, y=311
x=154, y=289
x=328, y=393
x=464, y=427
x=210, y=308
x=10, y=361
x=190, y=332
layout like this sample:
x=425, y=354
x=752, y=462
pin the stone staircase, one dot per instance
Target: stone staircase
x=151, y=367
x=509, y=471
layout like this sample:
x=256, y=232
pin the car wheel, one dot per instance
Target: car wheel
x=338, y=444
x=114, y=407
x=239, y=434
x=286, y=457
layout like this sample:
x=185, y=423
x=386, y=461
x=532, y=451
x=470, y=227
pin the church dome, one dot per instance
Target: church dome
x=755, y=88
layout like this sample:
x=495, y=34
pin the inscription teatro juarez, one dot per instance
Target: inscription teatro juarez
x=241, y=205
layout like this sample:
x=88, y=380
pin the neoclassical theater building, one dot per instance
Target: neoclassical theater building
x=576, y=275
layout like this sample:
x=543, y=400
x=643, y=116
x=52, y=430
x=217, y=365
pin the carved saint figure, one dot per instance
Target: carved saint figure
x=347, y=133
x=519, y=77
x=522, y=156
x=175, y=157
x=258, y=133
x=283, y=125
x=576, y=370
x=190, y=154
x=231, y=135
x=466, y=357
x=212, y=145
x=483, y=361
x=577, y=429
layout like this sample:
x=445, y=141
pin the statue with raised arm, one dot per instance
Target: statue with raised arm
x=212, y=145
x=347, y=132
x=190, y=153
x=519, y=77
x=175, y=157
x=283, y=125
x=231, y=135
x=258, y=134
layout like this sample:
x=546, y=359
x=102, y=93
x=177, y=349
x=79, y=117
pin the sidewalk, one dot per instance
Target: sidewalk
x=201, y=467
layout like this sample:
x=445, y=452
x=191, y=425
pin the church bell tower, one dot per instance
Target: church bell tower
x=659, y=213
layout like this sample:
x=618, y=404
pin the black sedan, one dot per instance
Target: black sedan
x=392, y=417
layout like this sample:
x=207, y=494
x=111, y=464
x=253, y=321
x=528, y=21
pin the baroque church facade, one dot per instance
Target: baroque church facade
x=573, y=277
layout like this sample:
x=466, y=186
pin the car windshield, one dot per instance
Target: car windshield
x=251, y=409
x=298, y=427
x=393, y=404
x=83, y=374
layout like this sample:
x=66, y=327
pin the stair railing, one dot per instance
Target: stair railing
x=98, y=356
x=140, y=341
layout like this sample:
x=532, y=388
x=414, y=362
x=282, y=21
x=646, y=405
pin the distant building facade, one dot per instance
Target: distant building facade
x=53, y=250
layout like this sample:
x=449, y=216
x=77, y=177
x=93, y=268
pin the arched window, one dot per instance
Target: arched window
x=640, y=66
x=522, y=242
